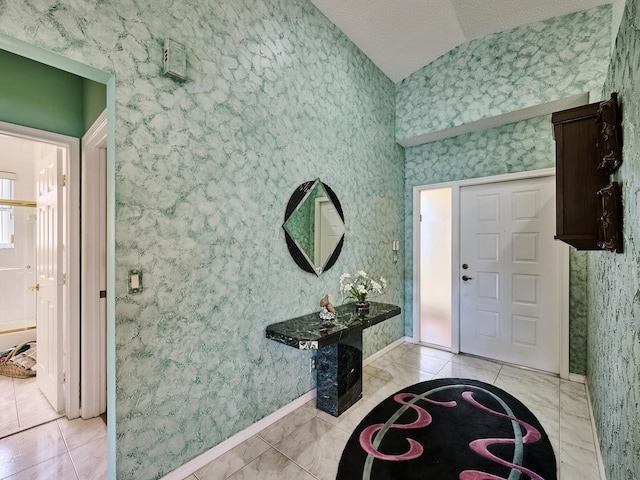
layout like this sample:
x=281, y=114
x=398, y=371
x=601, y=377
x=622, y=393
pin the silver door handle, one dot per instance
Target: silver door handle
x=466, y=278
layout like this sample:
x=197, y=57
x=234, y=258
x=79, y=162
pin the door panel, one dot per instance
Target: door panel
x=49, y=255
x=510, y=302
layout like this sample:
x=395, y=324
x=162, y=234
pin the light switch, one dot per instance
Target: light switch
x=135, y=281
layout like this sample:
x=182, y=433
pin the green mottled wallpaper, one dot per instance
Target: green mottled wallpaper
x=494, y=75
x=613, y=281
x=505, y=72
x=275, y=96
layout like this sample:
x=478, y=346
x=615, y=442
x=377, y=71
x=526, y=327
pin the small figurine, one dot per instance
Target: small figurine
x=328, y=312
x=325, y=303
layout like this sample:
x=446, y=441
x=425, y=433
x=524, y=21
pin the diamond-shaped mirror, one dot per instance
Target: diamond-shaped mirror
x=314, y=227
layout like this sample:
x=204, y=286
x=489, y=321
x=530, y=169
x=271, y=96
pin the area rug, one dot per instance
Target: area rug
x=449, y=429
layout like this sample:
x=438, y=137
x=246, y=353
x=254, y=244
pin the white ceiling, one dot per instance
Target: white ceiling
x=402, y=36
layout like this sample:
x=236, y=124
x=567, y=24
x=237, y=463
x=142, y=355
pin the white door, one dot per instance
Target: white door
x=49, y=262
x=510, y=289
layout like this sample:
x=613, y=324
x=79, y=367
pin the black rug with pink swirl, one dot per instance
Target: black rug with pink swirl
x=449, y=429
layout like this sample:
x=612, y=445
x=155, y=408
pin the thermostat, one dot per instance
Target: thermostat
x=175, y=60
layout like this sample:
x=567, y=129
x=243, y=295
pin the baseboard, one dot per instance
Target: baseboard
x=207, y=457
x=596, y=441
x=574, y=377
x=381, y=352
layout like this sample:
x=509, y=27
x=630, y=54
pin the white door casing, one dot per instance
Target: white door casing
x=510, y=305
x=49, y=273
x=93, y=270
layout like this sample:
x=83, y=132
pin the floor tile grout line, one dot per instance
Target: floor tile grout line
x=39, y=463
x=292, y=461
x=68, y=452
x=64, y=438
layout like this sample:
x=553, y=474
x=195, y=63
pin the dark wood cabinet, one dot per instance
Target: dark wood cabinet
x=578, y=179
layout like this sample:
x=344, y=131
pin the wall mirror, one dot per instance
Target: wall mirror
x=314, y=227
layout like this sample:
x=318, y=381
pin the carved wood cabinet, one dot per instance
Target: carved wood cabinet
x=588, y=142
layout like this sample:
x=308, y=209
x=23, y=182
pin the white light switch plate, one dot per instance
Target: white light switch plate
x=135, y=281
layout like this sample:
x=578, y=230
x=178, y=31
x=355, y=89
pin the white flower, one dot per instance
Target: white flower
x=346, y=288
x=362, y=286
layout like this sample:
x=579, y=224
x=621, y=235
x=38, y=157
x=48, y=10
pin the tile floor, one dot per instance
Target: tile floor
x=307, y=443
x=22, y=405
x=36, y=443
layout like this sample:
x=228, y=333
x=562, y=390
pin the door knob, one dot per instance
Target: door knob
x=466, y=278
x=35, y=287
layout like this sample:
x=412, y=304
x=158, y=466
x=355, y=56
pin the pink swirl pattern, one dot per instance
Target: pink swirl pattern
x=481, y=446
x=423, y=420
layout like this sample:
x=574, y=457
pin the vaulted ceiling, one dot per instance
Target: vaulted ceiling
x=402, y=36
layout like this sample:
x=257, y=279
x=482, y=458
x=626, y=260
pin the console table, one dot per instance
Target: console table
x=339, y=346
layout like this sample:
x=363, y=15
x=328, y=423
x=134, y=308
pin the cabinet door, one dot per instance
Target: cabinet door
x=578, y=178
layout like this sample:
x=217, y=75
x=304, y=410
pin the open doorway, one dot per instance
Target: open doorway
x=24, y=403
x=50, y=101
x=44, y=255
x=101, y=79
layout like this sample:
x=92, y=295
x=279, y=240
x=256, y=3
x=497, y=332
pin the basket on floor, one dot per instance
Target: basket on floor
x=10, y=369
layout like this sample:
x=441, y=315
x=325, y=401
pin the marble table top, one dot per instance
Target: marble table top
x=308, y=333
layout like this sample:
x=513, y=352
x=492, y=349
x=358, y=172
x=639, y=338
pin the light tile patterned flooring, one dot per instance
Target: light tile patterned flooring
x=36, y=443
x=307, y=443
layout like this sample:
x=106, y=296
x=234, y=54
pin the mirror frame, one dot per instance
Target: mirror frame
x=298, y=256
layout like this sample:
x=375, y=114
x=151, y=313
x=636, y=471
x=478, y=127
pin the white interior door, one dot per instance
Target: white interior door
x=510, y=288
x=49, y=263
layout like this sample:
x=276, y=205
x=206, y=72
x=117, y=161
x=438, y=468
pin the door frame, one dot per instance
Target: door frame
x=57, y=60
x=71, y=263
x=92, y=322
x=563, y=267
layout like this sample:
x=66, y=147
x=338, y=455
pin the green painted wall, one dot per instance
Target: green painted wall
x=495, y=75
x=38, y=96
x=613, y=281
x=95, y=101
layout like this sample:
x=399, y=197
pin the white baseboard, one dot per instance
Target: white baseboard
x=574, y=377
x=596, y=441
x=207, y=457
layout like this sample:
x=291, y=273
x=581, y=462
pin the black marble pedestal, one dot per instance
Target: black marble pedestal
x=339, y=346
x=339, y=367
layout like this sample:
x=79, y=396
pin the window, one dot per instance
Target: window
x=6, y=211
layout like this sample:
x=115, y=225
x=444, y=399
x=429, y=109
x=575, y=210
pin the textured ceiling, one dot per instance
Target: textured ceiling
x=402, y=36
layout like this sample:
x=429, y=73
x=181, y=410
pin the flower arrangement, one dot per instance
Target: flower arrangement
x=361, y=286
